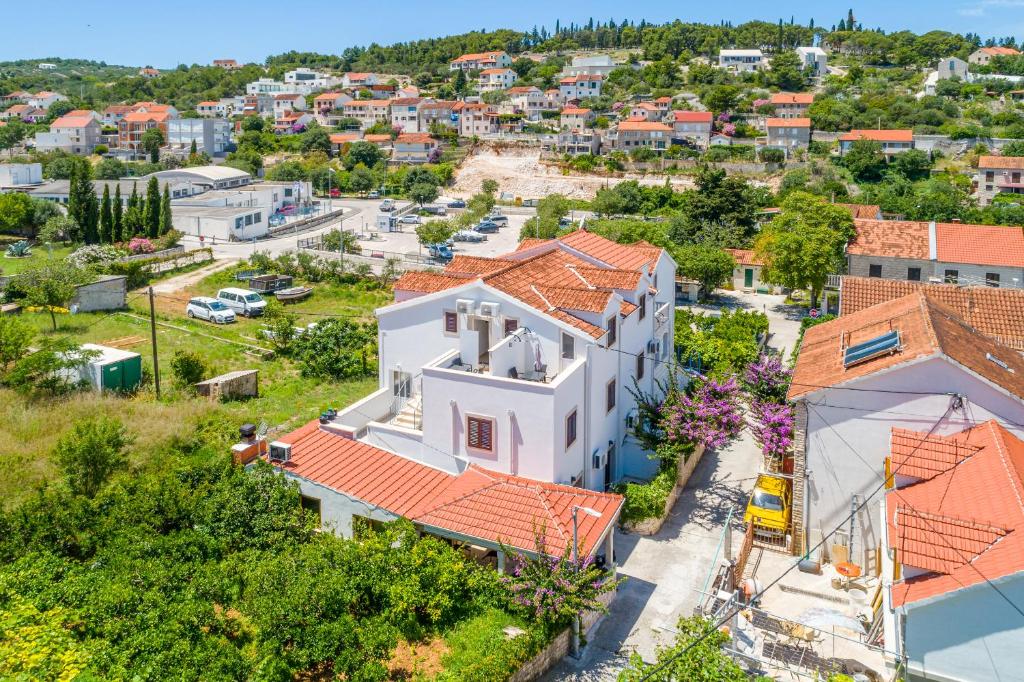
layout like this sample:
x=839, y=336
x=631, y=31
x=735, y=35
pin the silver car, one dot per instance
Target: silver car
x=210, y=309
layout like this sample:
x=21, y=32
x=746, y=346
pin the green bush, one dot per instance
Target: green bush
x=188, y=368
x=647, y=500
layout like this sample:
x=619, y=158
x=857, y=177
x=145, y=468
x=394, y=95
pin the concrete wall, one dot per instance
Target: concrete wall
x=102, y=295
x=337, y=510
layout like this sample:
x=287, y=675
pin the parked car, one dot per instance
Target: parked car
x=435, y=209
x=769, y=506
x=457, y=203
x=335, y=192
x=565, y=221
x=440, y=252
x=387, y=205
x=410, y=219
x=486, y=227
x=498, y=219
x=373, y=195
x=210, y=309
x=469, y=236
x=242, y=301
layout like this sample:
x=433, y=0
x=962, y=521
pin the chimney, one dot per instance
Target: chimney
x=250, y=447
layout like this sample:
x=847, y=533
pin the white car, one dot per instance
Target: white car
x=210, y=309
x=498, y=219
x=410, y=219
x=469, y=236
x=242, y=301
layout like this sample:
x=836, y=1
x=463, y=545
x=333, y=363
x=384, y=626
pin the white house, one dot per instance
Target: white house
x=532, y=101
x=353, y=79
x=813, y=60
x=983, y=55
x=951, y=522
x=44, y=98
x=597, y=65
x=692, y=126
x=740, y=61
x=413, y=148
x=523, y=364
x=269, y=86
x=309, y=80
x=211, y=136
x=580, y=86
x=405, y=114
x=285, y=104
x=74, y=133
x=907, y=363
x=476, y=61
x=496, y=79
x=20, y=175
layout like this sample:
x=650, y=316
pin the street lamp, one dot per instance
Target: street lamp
x=575, y=529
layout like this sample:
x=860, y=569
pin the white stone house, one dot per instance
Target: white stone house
x=813, y=60
x=580, y=86
x=740, y=61
x=496, y=79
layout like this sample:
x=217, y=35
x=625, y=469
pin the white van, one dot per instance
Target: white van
x=242, y=301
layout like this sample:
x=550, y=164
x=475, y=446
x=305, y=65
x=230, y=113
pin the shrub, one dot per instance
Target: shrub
x=91, y=453
x=647, y=500
x=767, y=378
x=140, y=245
x=338, y=349
x=710, y=416
x=188, y=368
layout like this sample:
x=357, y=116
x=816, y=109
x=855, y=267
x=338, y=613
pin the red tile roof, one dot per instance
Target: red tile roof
x=878, y=135
x=69, y=121
x=476, y=265
x=1001, y=162
x=921, y=456
x=692, y=116
x=415, y=138
x=530, y=242
x=792, y=98
x=962, y=522
x=787, y=122
x=999, y=51
x=478, y=503
x=426, y=282
x=575, y=111
x=644, y=126
x=993, y=311
x=495, y=72
x=479, y=56
x=623, y=256
x=863, y=211
x=980, y=244
x=575, y=298
x=568, y=80
x=744, y=257
x=342, y=138
x=927, y=329
x=890, y=238
x=608, y=278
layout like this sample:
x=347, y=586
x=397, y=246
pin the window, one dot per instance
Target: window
x=643, y=307
x=952, y=276
x=451, y=322
x=568, y=347
x=238, y=224
x=914, y=274
x=989, y=176
x=511, y=325
x=258, y=217
x=311, y=505
x=480, y=433
x=640, y=360
x=874, y=270
x=609, y=397
x=612, y=329
x=248, y=219
x=570, y=429
x=991, y=279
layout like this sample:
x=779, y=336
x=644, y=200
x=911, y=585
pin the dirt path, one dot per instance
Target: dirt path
x=179, y=282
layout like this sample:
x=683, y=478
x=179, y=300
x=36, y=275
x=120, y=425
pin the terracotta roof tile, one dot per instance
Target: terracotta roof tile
x=980, y=244
x=575, y=298
x=863, y=211
x=878, y=135
x=426, y=282
x=624, y=256
x=692, y=116
x=914, y=454
x=609, y=278
x=787, y=123
x=792, y=98
x=530, y=242
x=744, y=257
x=631, y=125
x=1007, y=162
x=890, y=238
x=476, y=265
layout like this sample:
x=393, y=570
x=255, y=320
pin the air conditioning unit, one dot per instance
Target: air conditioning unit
x=489, y=309
x=464, y=306
x=600, y=459
x=280, y=452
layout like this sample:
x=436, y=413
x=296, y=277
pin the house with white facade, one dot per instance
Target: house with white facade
x=476, y=61
x=495, y=79
x=44, y=98
x=788, y=134
x=791, y=104
x=909, y=363
x=953, y=559
x=998, y=175
x=476, y=118
x=576, y=118
x=74, y=133
x=577, y=142
x=813, y=60
x=596, y=65
x=368, y=111
x=288, y=103
x=405, y=114
x=211, y=109
x=211, y=136
x=691, y=126
x=524, y=364
x=983, y=55
x=892, y=141
x=413, y=148
x=269, y=86
x=354, y=79
x=327, y=103
x=309, y=80
x=580, y=86
x=633, y=134
x=740, y=61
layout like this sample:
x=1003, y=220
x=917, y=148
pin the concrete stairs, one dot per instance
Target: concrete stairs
x=411, y=416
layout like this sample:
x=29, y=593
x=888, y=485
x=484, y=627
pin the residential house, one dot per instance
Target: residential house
x=529, y=100
x=863, y=211
x=597, y=65
x=481, y=60
x=210, y=109
x=327, y=103
x=341, y=141
x=577, y=142
x=113, y=114
x=983, y=55
x=74, y=133
x=953, y=67
x=134, y=125
x=382, y=140
x=813, y=60
x=631, y=134
x=44, y=98
x=149, y=72
x=525, y=364
x=892, y=141
x=646, y=111
x=408, y=90
x=575, y=118
x=24, y=112
x=495, y=79
x=908, y=363
x=999, y=175
x=259, y=104
x=740, y=61
x=792, y=104
x=746, y=276
x=995, y=312
x=788, y=134
x=211, y=136
x=663, y=104
x=353, y=79
x=368, y=111
x=405, y=114
x=580, y=86
x=477, y=118
x=292, y=122
x=440, y=112
x=269, y=86
x=287, y=104
x=693, y=127
x=229, y=64
x=720, y=139
x=414, y=148
x=956, y=253
x=953, y=559
x=18, y=96
x=307, y=80
x=383, y=90
x=155, y=108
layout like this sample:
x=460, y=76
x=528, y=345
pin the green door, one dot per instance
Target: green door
x=113, y=377
x=748, y=277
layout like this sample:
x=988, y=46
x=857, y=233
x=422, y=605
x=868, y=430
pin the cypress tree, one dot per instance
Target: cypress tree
x=152, y=213
x=165, y=212
x=106, y=218
x=193, y=150
x=117, y=217
x=92, y=217
x=132, y=223
x=74, y=210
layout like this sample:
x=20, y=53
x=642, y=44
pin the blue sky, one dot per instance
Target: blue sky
x=197, y=31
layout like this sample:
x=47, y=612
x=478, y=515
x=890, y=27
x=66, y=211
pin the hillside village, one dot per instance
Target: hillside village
x=609, y=351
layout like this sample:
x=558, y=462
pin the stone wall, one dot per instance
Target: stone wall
x=546, y=659
x=652, y=526
x=892, y=268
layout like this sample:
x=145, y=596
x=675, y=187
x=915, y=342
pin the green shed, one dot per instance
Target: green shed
x=113, y=370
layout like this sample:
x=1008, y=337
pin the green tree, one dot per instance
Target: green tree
x=106, y=217
x=459, y=81
x=50, y=286
x=92, y=452
x=12, y=133
x=152, y=212
x=362, y=152
x=134, y=216
x=166, y=219
x=110, y=169
x=360, y=180
x=1014, y=148
x=489, y=186
x=913, y=164
x=316, y=139
x=434, y=232
x=805, y=243
x=117, y=216
x=188, y=368
x=786, y=71
x=152, y=140
x=15, y=337
x=865, y=161
x=709, y=265
x=423, y=193
x=15, y=211
x=60, y=228
x=721, y=98
x=695, y=655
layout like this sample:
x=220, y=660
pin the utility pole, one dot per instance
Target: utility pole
x=152, y=331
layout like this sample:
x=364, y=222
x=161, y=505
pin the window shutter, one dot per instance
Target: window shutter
x=480, y=433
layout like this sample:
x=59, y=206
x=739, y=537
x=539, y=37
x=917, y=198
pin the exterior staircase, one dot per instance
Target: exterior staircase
x=411, y=415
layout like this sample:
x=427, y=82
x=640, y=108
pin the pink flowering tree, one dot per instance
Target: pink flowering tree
x=140, y=245
x=772, y=427
x=710, y=416
x=767, y=378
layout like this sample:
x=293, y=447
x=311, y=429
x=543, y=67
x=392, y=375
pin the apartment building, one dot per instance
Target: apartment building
x=405, y=114
x=524, y=363
x=477, y=118
x=134, y=125
x=999, y=175
x=354, y=79
x=269, y=86
x=532, y=101
x=211, y=136
x=580, y=86
x=113, y=114
x=598, y=65
x=788, y=134
x=292, y=122
x=326, y=103
x=575, y=118
x=260, y=104
x=495, y=79
x=791, y=104
x=77, y=132
x=813, y=60
x=892, y=141
x=578, y=141
x=414, y=148
x=692, y=127
x=229, y=64
x=634, y=134
x=440, y=112
x=368, y=111
x=307, y=80
x=477, y=61
x=740, y=61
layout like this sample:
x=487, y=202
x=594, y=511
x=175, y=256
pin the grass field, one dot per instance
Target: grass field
x=287, y=399
x=40, y=254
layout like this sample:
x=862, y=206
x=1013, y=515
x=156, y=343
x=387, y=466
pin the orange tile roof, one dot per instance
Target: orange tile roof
x=664, y=100
x=890, y=238
x=327, y=96
x=626, y=308
x=787, y=122
x=494, y=72
x=581, y=77
x=999, y=51
x=405, y=101
x=623, y=256
x=962, y=522
x=922, y=456
x=357, y=76
x=980, y=244
x=479, y=56
x=878, y=135
x=608, y=278
x=342, y=138
x=792, y=98
x=863, y=211
x=69, y=121
x=208, y=103
x=530, y=242
x=377, y=139
x=575, y=298
x=744, y=257
x=426, y=282
x=1001, y=162
x=575, y=111
x=146, y=116
x=644, y=126
x=368, y=103
x=993, y=311
x=522, y=89
x=478, y=503
x=287, y=97
x=927, y=328
x=415, y=138
x=692, y=116
x=476, y=265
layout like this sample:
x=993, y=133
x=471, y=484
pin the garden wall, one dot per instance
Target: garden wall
x=652, y=526
x=546, y=659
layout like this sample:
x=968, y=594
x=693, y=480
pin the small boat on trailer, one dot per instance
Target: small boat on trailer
x=293, y=294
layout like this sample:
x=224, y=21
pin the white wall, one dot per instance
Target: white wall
x=336, y=509
x=848, y=433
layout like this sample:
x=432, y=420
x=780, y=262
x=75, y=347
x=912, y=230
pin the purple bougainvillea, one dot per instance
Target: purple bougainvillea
x=724, y=117
x=772, y=427
x=711, y=416
x=767, y=378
